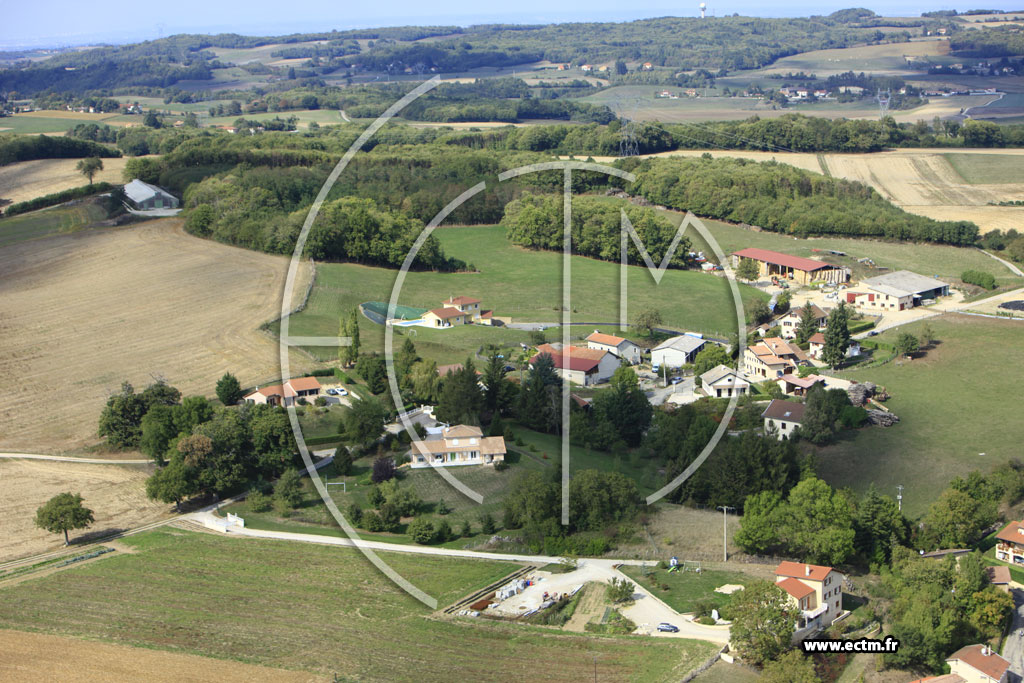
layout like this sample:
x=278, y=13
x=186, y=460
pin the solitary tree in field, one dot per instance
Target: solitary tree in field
x=229, y=391
x=748, y=269
x=646, y=320
x=89, y=167
x=64, y=512
x=907, y=344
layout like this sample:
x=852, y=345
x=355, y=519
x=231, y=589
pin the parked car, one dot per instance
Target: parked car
x=668, y=628
x=342, y=392
x=332, y=392
x=677, y=380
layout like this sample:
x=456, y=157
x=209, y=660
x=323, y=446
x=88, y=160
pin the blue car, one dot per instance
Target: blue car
x=668, y=628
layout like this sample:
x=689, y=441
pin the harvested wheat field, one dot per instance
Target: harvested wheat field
x=42, y=657
x=81, y=313
x=923, y=181
x=116, y=495
x=27, y=180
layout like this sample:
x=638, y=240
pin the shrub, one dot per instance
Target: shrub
x=979, y=278
x=371, y=521
x=444, y=531
x=259, y=501
x=466, y=530
x=422, y=531
x=321, y=401
x=354, y=513
x=487, y=525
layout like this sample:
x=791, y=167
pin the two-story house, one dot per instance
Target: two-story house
x=815, y=590
x=457, y=445
x=1010, y=543
x=619, y=346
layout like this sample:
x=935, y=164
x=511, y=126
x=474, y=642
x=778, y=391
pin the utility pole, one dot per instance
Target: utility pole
x=899, y=497
x=725, y=531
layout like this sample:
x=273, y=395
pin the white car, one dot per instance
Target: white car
x=342, y=392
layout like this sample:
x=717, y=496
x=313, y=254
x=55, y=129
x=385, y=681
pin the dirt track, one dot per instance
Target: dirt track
x=41, y=657
x=81, y=313
x=30, y=179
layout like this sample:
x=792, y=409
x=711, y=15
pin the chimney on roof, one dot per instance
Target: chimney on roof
x=985, y=652
x=807, y=570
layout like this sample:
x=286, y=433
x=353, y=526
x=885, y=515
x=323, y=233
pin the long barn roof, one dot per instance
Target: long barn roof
x=780, y=259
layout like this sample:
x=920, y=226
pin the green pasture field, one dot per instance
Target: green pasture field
x=982, y=169
x=46, y=222
x=957, y=410
x=26, y=124
x=321, y=609
x=516, y=282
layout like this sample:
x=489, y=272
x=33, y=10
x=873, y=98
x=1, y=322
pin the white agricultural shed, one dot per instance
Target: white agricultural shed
x=677, y=351
x=144, y=196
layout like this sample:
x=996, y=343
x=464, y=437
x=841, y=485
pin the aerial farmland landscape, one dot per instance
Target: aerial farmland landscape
x=516, y=344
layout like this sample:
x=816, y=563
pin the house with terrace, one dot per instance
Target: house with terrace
x=457, y=445
x=771, y=358
x=1010, y=543
x=815, y=590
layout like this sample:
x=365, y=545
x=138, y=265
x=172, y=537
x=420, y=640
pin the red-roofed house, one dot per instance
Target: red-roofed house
x=999, y=577
x=445, y=317
x=796, y=268
x=771, y=358
x=978, y=663
x=619, y=346
x=471, y=307
x=815, y=590
x=287, y=393
x=1010, y=543
x=580, y=366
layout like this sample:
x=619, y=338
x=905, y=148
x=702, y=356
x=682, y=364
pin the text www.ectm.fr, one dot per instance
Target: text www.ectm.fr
x=888, y=644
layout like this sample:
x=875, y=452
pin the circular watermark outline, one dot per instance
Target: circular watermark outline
x=286, y=341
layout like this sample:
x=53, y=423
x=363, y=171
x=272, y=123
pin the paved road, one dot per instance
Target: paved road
x=1013, y=649
x=647, y=611
x=68, y=458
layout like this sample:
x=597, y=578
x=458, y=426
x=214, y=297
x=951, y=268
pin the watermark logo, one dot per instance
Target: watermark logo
x=628, y=233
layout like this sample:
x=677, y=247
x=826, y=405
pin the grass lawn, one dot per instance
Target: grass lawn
x=523, y=284
x=320, y=609
x=980, y=169
x=687, y=588
x=60, y=219
x=722, y=672
x=926, y=259
x=957, y=407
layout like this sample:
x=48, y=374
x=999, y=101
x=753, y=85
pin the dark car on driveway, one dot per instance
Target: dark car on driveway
x=668, y=628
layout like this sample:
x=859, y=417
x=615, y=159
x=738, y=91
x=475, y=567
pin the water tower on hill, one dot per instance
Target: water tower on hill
x=703, y=9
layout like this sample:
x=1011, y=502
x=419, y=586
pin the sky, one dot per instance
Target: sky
x=49, y=23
